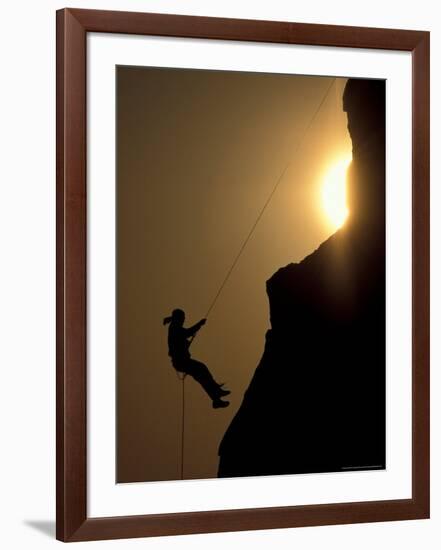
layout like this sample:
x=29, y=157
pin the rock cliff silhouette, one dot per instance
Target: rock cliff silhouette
x=316, y=402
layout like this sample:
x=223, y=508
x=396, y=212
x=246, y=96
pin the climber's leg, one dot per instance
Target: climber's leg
x=201, y=374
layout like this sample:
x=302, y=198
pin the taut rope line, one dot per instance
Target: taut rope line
x=270, y=196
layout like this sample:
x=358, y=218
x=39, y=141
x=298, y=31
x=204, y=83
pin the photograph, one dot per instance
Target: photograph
x=250, y=274
x=220, y=225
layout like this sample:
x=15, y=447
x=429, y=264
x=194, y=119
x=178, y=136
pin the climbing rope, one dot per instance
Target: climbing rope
x=181, y=377
x=183, y=427
x=265, y=206
x=242, y=248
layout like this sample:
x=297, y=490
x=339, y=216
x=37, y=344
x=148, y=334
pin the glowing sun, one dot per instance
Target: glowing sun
x=334, y=193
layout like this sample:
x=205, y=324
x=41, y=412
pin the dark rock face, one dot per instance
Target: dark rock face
x=316, y=402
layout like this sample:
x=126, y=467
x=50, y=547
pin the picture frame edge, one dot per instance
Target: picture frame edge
x=72, y=523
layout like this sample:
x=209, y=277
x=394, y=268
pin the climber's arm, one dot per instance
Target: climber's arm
x=191, y=331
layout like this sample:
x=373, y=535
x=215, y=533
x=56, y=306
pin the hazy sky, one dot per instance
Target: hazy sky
x=198, y=154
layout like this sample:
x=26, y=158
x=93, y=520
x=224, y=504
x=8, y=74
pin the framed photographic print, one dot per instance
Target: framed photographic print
x=242, y=274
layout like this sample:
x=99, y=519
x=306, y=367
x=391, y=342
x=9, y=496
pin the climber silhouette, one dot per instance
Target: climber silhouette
x=179, y=340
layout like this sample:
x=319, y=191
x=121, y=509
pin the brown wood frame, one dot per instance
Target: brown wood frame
x=73, y=524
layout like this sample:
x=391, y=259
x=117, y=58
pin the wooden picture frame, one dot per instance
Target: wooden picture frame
x=73, y=523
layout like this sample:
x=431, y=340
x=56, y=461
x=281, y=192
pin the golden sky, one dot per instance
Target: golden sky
x=198, y=153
